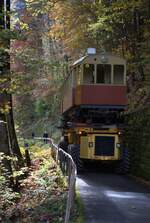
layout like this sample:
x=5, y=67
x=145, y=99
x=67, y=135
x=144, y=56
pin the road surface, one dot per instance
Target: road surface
x=112, y=198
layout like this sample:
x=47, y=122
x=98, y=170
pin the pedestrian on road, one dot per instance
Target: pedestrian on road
x=45, y=137
x=33, y=135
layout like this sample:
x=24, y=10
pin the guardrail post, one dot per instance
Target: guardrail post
x=27, y=155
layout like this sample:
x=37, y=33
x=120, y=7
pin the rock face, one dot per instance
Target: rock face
x=137, y=124
x=138, y=141
x=139, y=88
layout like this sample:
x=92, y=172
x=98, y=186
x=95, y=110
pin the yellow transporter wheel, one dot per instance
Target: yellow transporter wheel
x=74, y=151
x=124, y=165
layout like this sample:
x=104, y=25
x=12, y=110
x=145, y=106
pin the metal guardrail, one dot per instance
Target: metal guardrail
x=68, y=168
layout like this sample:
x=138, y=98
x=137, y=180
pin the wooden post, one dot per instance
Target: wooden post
x=27, y=155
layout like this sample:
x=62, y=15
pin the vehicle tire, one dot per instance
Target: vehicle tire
x=123, y=166
x=74, y=151
x=63, y=145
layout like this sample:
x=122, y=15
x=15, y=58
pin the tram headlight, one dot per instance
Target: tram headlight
x=118, y=145
x=90, y=144
x=83, y=133
x=119, y=133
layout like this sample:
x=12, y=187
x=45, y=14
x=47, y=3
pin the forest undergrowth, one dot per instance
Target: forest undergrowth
x=42, y=196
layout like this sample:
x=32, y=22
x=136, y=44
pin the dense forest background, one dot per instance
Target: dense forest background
x=56, y=32
x=46, y=36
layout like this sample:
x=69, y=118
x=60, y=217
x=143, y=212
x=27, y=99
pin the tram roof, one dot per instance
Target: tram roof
x=80, y=60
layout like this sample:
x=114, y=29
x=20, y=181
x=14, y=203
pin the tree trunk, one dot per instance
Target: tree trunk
x=12, y=134
x=4, y=146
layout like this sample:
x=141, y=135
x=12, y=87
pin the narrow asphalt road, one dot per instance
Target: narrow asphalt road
x=111, y=198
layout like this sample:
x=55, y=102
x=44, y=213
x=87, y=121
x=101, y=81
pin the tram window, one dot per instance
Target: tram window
x=74, y=77
x=118, y=74
x=77, y=78
x=88, y=73
x=103, y=74
x=78, y=72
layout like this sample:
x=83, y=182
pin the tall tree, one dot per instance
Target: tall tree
x=4, y=140
x=6, y=111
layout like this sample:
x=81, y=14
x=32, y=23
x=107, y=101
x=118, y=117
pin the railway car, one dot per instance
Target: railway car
x=93, y=99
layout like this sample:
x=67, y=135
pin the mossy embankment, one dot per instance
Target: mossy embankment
x=43, y=193
x=137, y=137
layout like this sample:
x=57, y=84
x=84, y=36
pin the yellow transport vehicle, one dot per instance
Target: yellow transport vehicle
x=93, y=99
